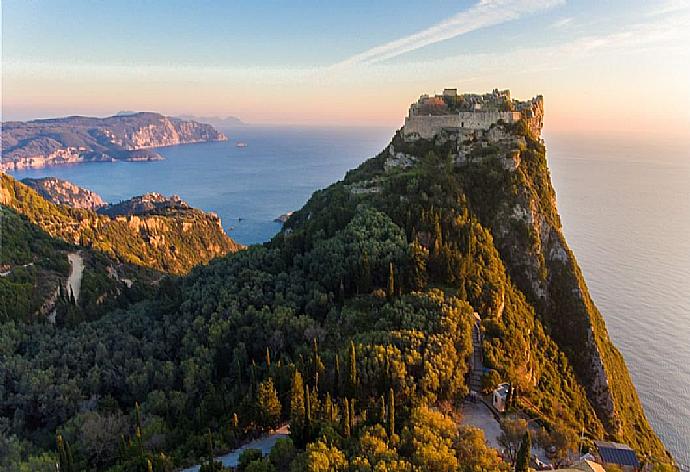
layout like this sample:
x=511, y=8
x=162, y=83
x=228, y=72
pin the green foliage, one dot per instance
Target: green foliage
x=523, y=454
x=247, y=457
x=385, y=281
x=179, y=249
x=268, y=404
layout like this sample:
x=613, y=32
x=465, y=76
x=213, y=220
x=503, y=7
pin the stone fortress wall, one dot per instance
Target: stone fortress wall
x=429, y=116
x=427, y=127
x=468, y=123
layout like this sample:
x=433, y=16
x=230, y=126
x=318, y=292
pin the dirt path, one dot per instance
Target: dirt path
x=76, y=270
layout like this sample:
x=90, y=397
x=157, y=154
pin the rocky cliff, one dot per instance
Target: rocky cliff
x=481, y=205
x=62, y=192
x=167, y=241
x=148, y=204
x=75, y=139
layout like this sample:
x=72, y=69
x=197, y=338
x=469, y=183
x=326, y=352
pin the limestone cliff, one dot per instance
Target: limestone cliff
x=62, y=192
x=76, y=139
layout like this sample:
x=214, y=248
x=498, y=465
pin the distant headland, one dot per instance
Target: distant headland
x=124, y=137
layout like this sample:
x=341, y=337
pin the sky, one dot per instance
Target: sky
x=616, y=66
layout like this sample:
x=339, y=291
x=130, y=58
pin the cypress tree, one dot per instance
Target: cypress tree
x=523, y=455
x=137, y=432
x=391, y=281
x=352, y=415
x=209, y=445
x=317, y=366
x=123, y=447
x=364, y=283
x=252, y=379
x=346, y=418
x=268, y=358
x=64, y=454
x=438, y=235
x=352, y=379
x=391, y=413
x=297, y=411
x=336, y=376
x=327, y=407
x=382, y=413
x=307, y=409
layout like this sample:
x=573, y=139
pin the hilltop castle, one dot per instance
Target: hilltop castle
x=472, y=127
x=467, y=113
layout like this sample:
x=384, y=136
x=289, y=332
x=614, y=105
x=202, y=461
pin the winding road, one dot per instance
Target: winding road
x=76, y=270
x=265, y=444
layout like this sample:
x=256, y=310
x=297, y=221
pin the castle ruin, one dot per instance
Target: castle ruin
x=475, y=128
x=464, y=114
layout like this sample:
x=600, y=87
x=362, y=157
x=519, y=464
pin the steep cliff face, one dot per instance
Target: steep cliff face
x=171, y=241
x=527, y=231
x=75, y=139
x=480, y=202
x=62, y=192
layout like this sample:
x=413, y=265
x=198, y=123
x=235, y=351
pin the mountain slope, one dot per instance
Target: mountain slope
x=41, y=143
x=354, y=324
x=173, y=242
x=35, y=275
x=431, y=194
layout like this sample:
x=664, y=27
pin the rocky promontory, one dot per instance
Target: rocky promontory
x=76, y=139
x=62, y=192
x=152, y=231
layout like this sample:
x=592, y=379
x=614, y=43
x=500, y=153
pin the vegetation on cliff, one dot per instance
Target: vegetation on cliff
x=172, y=242
x=354, y=323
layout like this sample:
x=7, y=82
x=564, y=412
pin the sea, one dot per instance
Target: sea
x=624, y=205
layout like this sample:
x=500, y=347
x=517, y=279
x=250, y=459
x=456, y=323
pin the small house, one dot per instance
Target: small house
x=500, y=397
x=613, y=453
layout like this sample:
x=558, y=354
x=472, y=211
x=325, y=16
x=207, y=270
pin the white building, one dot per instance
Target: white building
x=499, y=397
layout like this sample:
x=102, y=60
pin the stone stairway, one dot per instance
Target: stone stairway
x=477, y=362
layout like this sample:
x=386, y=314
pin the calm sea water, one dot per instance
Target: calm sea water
x=625, y=209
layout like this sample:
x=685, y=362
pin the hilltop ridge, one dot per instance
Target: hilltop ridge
x=73, y=139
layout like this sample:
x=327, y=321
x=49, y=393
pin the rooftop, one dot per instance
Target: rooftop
x=617, y=453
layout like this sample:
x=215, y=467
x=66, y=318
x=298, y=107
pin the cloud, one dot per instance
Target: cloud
x=483, y=14
x=558, y=24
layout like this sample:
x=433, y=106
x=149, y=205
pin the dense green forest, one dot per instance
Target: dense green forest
x=353, y=324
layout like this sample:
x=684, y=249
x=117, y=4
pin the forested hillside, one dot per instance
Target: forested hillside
x=35, y=270
x=172, y=242
x=353, y=324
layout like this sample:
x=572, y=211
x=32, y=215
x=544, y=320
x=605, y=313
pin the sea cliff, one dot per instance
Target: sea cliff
x=77, y=139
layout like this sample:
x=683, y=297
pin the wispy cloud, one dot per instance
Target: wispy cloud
x=670, y=6
x=563, y=22
x=483, y=14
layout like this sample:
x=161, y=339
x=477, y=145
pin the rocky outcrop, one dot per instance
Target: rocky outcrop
x=150, y=203
x=62, y=192
x=153, y=231
x=77, y=139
